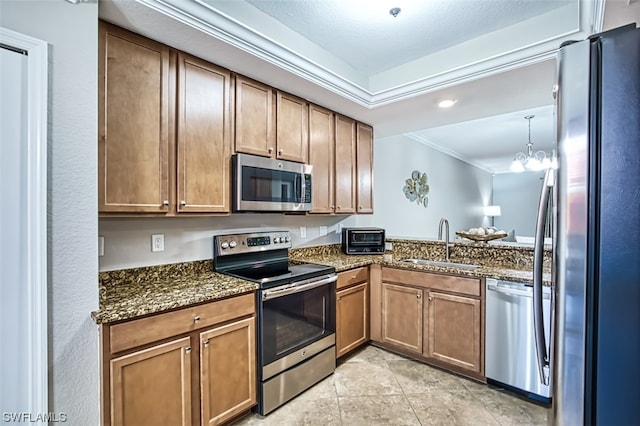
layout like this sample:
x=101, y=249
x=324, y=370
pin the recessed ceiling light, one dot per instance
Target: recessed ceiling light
x=447, y=103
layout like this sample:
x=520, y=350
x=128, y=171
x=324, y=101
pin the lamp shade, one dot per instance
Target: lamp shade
x=492, y=211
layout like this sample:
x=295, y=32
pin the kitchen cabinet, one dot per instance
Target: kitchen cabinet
x=322, y=158
x=194, y=365
x=227, y=371
x=203, y=137
x=454, y=330
x=292, y=128
x=164, y=144
x=402, y=317
x=364, y=167
x=255, y=118
x=345, y=162
x=153, y=386
x=133, y=122
x=352, y=310
x=435, y=317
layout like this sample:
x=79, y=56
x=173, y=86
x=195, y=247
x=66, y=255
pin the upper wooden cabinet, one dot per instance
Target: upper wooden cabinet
x=165, y=136
x=321, y=157
x=133, y=122
x=345, y=165
x=292, y=128
x=203, y=137
x=364, y=167
x=255, y=116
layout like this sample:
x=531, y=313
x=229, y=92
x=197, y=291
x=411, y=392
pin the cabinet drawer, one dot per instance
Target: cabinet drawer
x=352, y=276
x=452, y=283
x=138, y=332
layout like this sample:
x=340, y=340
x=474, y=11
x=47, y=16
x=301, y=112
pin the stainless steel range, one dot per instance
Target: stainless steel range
x=296, y=312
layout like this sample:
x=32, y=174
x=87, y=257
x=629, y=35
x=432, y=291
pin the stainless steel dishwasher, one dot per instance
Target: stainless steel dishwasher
x=510, y=351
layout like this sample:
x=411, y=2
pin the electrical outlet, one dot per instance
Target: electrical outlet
x=303, y=232
x=388, y=246
x=323, y=230
x=100, y=246
x=157, y=242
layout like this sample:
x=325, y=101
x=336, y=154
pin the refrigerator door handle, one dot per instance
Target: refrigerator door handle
x=538, y=251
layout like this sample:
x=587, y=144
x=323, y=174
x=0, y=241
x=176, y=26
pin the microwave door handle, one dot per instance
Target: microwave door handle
x=538, y=313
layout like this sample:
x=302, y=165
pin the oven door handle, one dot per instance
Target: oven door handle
x=296, y=288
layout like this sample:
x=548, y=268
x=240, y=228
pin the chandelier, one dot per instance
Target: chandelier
x=533, y=161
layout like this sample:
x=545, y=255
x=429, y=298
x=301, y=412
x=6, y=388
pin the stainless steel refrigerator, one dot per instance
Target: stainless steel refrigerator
x=592, y=357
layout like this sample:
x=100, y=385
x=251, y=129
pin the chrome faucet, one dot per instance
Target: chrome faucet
x=446, y=237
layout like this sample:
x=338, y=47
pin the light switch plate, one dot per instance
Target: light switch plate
x=323, y=230
x=303, y=232
x=100, y=246
x=157, y=242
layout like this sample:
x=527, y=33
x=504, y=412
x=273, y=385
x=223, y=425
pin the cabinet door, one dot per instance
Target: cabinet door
x=365, y=168
x=345, y=167
x=254, y=118
x=153, y=386
x=352, y=318
x=292, y=128
x=133, y=119
x=454, y=330
x=228, y=370
x=204, y=139
x=321, y=151
x=402, y=317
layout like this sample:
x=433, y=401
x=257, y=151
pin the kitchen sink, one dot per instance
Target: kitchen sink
x=467, y=266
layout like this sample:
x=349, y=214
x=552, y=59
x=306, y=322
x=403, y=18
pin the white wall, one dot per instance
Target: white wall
x=71, y=31
x=128, y=241
x=518, y=195
x=457, y=190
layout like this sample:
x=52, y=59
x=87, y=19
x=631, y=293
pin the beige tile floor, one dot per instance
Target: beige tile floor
x=376, y=387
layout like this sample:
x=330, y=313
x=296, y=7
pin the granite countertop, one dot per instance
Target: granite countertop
x=132, y=293
x=343, y=262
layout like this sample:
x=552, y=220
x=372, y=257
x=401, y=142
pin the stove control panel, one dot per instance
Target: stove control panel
x=250, y=242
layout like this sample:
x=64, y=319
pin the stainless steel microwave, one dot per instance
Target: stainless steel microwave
x=363, y=240
x=265, y=184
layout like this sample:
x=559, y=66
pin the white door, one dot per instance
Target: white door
x=23, y=331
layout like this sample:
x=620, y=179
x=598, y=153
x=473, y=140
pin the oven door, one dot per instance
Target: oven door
x=296, y=321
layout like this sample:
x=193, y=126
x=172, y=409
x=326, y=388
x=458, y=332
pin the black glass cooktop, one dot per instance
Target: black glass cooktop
x=269, y=275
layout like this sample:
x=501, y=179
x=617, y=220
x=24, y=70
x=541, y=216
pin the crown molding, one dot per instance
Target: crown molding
x=215, y=23
x=425, y=141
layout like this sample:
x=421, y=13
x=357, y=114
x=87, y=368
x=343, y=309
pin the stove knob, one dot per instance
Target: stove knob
x=276, y=240
x=224, y=245
x=232, y=244
x=287, y=239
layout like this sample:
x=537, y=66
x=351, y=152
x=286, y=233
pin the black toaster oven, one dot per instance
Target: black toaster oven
x=363, y=240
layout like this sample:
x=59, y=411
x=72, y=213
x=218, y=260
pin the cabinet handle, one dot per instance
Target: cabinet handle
x=354, y=277
x=339, y=207
x=418, y=296
x=279, y=152
x=333, y=207
x=196, y=318
x=187, y=349
x=430, y=299
x=183, y=203
x=359, y=207
x=165, y=203
x=270, y=150
x=206, y=343
x=339, y=299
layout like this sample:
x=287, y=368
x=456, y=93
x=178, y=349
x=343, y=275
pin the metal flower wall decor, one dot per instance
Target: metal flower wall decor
x=416, y=188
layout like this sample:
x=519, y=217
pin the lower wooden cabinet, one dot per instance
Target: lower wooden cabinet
x=454, y=330
x=434, y=317
x=201, y=369
x=153, y=386
x=227, y=371
x=352, y=310
x=402, y=317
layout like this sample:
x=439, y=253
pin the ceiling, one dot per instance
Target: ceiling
x=496, y=57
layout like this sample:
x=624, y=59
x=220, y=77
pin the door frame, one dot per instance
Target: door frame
x=36, y=213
